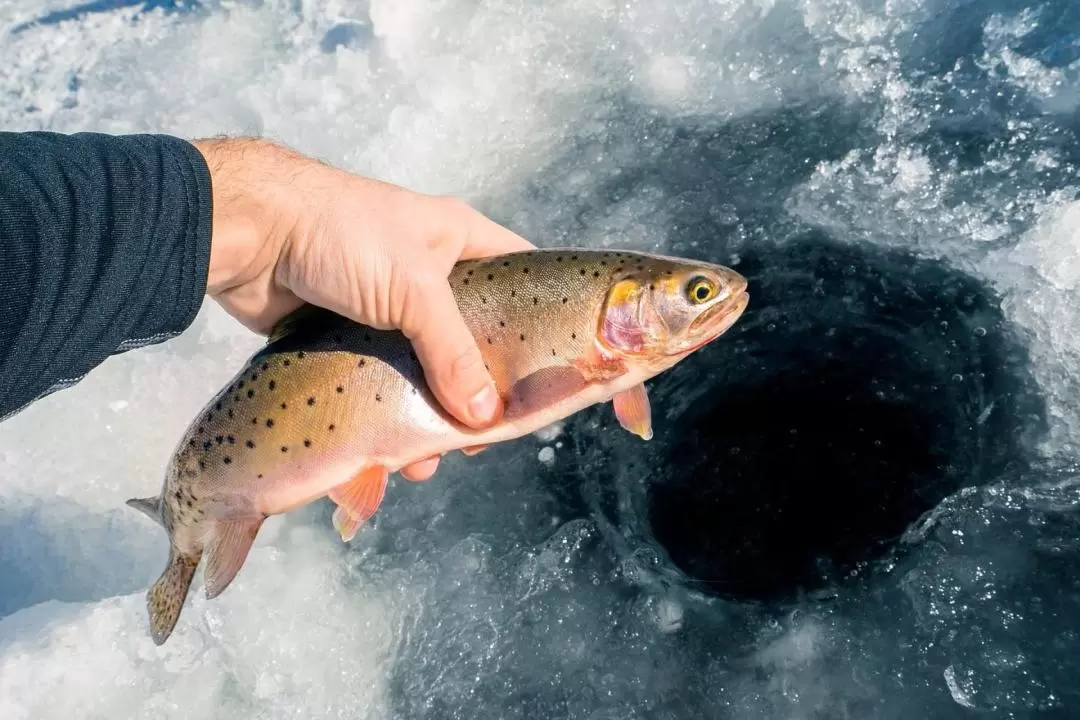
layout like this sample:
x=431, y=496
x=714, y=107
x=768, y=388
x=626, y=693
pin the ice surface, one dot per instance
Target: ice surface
x=811, y=142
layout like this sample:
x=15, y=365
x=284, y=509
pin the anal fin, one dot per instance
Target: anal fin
x=227, y=552
x=633, y=411
x=357, y=500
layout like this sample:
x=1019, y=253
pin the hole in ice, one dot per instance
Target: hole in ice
x=862, y=388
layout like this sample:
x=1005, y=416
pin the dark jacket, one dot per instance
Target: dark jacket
x=104, y=247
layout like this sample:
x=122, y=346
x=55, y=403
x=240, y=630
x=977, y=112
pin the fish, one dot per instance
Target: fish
x=329, y=407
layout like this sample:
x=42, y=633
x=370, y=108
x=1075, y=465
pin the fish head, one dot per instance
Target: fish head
x=667, y=308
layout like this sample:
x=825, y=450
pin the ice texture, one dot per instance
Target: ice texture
x=898, y=181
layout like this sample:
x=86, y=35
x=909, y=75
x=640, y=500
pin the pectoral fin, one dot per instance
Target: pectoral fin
x=633, y=411
x=357, y=500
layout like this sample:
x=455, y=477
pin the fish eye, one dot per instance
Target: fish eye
x=700, y=289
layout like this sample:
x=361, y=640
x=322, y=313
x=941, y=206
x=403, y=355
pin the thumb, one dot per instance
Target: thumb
x=452, y=363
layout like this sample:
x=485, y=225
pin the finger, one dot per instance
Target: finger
x=452, y=363
x=421, y=470
x=485, y=237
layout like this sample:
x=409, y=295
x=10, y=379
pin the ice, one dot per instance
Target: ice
x=897, y=179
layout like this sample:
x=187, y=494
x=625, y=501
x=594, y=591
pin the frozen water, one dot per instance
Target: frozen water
x=862, y=503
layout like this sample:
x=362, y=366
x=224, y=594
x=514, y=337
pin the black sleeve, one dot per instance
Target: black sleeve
x=104, y=247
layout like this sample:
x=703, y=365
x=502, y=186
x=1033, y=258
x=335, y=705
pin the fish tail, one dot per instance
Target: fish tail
x=150, y=507
x=166, y=597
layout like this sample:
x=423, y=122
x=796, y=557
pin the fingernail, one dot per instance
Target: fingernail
x=484, y=403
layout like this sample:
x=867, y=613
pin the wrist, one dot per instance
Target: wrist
x=252, y=209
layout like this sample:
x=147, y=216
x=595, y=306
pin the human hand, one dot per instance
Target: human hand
x=289, y=229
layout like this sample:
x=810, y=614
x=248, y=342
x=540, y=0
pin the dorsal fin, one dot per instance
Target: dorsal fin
x=288, y=324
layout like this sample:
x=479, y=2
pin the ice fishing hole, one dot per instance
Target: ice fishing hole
x=861, y=388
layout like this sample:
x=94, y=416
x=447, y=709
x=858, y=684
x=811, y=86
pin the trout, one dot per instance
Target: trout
x=330, y=407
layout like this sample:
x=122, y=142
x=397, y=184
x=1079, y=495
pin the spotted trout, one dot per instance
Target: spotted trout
x=330, y=407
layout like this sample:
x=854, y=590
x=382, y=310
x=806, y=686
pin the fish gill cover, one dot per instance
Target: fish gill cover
x=862, y=502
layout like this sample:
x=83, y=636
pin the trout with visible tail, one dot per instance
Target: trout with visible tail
x=331, y=407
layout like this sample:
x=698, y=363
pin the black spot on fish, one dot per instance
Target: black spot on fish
x=582, y=272
x=536, y=300
x=201, y=429
x=310, y=401
x=202, y=464
x=177, y=494
x=284, y=406
x=522, y=337
x=603, y=262
x=285, y=362
x=573, y=257
x=250, y=444
x=466, y=281
x=189, y=503
x=558, y=258
x=269, y=422
x=502, y=323
x=207, y=445
x=300, y=355
x=524, y=271
x=378, y=398
x=254, y=377
x=596, y=273
x=564, y=301
x=231, y=440
x=491, y=277
x=191, y=442
x=226, y=459
x=552, y=352
x=265, y=366
x=330, y=428
x=284, y=449
x=472, y=271
x=340, y=389
x=513, y=293
x=231, y=413
x=483, y=300
x=640, y=267
x=250, y=394
x=237, y=397
x=209, y=417
x=363, y=363
x=259, y=476
x=307, y=443
x=219, y=439
x=272, y=385
x=240, y=385
x=254, y=421
x=506, y=263
x=573, y=336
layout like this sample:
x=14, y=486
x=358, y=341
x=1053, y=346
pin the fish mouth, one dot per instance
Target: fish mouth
x=718, y=319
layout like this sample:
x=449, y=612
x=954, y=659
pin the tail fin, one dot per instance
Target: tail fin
x=151, y=507
x=166, y=597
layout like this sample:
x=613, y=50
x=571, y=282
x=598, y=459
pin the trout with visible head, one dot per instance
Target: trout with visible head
x=331, y=407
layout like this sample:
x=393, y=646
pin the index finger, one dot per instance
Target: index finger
x=485, y=237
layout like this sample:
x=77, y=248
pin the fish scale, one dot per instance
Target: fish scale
x=330, y=407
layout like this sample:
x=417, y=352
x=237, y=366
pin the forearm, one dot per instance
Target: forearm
x=104, y=246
